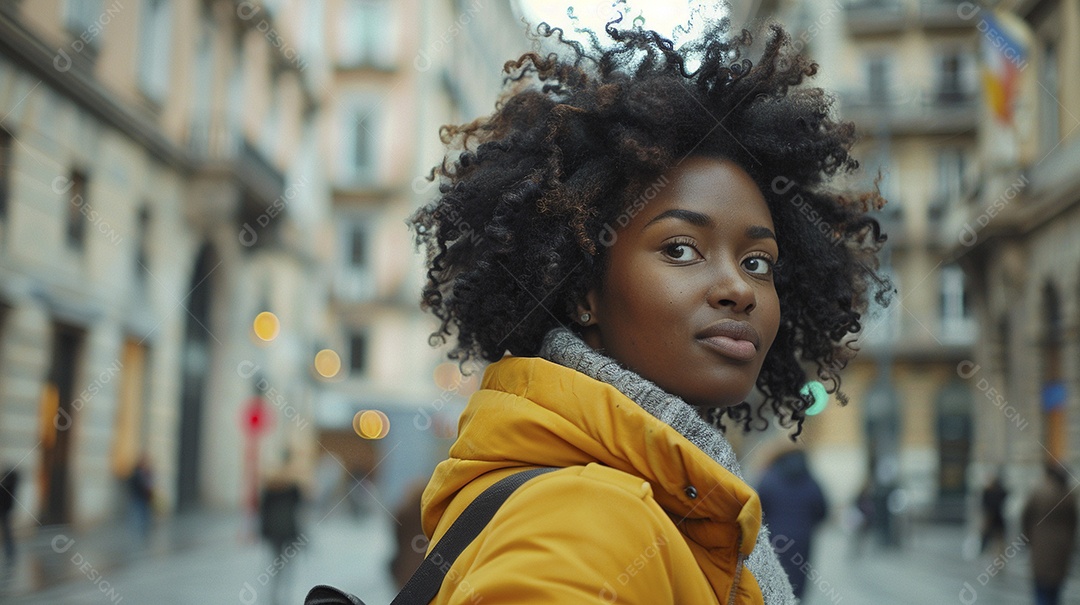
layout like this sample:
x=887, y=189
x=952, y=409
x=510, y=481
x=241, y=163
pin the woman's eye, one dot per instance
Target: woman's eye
x=681, y=252
x=758, y=265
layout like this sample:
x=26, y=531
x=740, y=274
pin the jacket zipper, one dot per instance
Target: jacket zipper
x=739, y=558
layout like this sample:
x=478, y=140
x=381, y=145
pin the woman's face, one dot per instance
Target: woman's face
x=688, y=299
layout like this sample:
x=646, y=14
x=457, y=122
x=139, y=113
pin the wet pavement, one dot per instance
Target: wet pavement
x=212, y=558
x=202, y=558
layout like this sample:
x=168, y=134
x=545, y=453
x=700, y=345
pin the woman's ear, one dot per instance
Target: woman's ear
x=586, y=309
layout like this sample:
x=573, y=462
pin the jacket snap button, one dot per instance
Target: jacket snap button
x=691, y=492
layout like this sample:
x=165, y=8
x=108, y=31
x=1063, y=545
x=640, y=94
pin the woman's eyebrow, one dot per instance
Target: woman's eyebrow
x=759, y=232
x=694, y=218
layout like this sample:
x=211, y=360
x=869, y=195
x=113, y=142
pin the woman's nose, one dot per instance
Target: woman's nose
x=731, y=289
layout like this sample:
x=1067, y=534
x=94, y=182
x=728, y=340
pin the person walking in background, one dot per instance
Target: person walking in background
x=793, y=505
x=1049, y=522
x=9, y=484
x=864, y=515
x=409, y=536
x=279, y=525
x=993, y=510
x=141, y=495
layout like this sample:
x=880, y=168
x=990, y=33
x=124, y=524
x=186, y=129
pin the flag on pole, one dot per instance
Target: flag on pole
x=1004, y=57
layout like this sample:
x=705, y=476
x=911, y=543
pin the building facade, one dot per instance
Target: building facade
x=400, y=70
x=904, y=71
x=1017, y=240
x=159, y=187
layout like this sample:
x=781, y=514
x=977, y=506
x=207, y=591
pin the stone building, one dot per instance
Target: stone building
x=904, y=71
x=399, y=71
x=1017, y=238
x=160, y=185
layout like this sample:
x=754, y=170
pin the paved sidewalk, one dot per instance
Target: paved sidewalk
x=928, y=568
x=208, y=558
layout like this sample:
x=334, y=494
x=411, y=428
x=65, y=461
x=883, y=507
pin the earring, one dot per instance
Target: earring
x=584, y=318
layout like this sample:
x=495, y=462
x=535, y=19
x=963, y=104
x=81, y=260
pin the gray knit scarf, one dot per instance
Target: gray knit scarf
x=565, y=348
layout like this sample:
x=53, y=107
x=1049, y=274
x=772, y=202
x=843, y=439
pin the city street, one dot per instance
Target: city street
x=266, y=264
x=206, y=559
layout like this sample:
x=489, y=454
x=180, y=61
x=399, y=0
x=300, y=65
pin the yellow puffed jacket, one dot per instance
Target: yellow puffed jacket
x=637, y=513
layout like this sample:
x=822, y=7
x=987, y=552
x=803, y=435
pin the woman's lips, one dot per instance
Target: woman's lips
x=732, y=338
x=741, y=350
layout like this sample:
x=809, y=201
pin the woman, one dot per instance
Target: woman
x=647, y=230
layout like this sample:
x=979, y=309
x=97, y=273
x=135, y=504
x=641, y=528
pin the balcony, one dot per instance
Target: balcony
x=875, y=16
x=915, y=112
x=213, y=146
x=945, y=14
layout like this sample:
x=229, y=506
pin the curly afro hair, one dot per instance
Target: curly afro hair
x=528, y=195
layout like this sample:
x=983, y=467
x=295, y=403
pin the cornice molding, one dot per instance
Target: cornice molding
x=76, y=83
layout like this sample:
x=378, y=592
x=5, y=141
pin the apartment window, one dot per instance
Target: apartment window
x=950, y=179
x=358, y=244
x=202, y=80
x=77, y=209
x=363, y=34
x=954, y=305
x=1049, y=110
x=361, y=144
x=878, y=76
x=356, y=276
x=142, y=241
x=6, y=158
x=950, y=78
x=155, y=34
x=358, y=350
x=237, y=88
x=80, y=16
x=273, y=123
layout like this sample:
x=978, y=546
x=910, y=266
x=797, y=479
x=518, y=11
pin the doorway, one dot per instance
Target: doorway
x=59, y=417
x=195, y=364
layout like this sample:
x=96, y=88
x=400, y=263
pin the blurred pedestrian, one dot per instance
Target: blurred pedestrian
x=1049, y=522
x=867, y=514
x=793, y=506
x=140, y=485
x=9, y=485
x=409, y=534
x=279, y=525
x=994, y=496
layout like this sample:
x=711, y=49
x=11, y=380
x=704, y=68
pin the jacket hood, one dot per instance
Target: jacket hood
x=532, y=412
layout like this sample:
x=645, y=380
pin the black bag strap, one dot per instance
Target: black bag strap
x=428, y=578
x=425, y=583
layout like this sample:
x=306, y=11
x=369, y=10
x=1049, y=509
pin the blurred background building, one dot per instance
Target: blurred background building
x=969, y=115
x=1016, y=237
x=171, y=169
x=161, y=187
x=204, y=255
x=905, y=72
x=401, y=70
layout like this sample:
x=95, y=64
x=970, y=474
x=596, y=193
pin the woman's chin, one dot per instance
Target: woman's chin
x=713, y=401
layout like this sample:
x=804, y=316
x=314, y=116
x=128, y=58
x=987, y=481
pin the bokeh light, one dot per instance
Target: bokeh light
x=447, y=376
x=371, y=424
x=266, y=326
x=327, y=363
